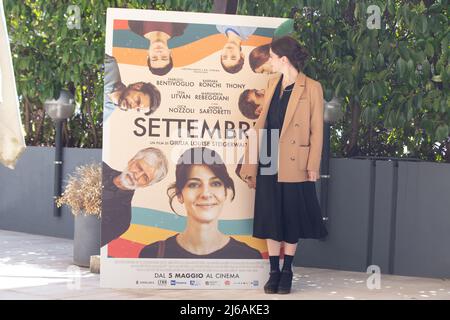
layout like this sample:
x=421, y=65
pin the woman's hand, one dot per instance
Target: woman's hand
x=251, y=182
x=258, y=110
x=313, y=175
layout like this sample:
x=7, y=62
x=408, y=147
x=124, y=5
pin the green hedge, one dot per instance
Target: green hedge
x=394, y=81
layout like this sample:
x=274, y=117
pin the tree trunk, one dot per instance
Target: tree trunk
x=447, y=151
x=349, y=13
x=26, y=105
x=225, y=6
x=91, y=122
x=351, y=149
x=39, y=124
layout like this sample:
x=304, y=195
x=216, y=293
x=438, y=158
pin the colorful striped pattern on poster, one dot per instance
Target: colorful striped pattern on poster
x=177, y=84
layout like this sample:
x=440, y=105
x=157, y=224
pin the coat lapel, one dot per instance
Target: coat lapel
x=297, y=91
x=268, y=98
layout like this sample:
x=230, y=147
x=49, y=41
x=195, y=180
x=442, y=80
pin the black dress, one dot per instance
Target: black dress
x=284, y=211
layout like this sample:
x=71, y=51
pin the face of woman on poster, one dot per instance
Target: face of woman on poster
x=159, y=54
x=203, y=195
x=266, y=68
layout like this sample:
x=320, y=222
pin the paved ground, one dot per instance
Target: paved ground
x=37, y=267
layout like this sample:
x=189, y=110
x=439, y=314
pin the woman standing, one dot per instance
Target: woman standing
x=286, y=204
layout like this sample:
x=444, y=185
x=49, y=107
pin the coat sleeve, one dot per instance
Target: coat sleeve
x=316, y=128
x=251, y=150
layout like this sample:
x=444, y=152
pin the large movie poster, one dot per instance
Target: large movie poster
x=180, y=90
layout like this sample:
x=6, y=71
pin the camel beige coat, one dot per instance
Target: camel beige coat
x=301, y=137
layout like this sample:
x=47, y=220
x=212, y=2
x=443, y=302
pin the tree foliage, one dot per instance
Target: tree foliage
x=49, y=54
x=394, y=81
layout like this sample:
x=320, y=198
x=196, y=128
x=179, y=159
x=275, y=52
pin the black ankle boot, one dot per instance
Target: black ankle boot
x=285, y=284
x=271, y=285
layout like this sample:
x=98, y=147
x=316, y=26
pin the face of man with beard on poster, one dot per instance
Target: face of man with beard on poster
x=135, y=99
x=138, y=173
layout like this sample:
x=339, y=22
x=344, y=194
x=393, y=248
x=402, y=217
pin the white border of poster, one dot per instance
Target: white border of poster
x=168, y=273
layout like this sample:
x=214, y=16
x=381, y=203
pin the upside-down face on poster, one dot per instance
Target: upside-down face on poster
x=181, y=90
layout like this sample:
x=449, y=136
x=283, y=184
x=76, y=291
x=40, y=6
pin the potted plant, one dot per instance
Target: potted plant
x=83, y=194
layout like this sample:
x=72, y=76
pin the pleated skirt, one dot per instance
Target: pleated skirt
x=287, y=211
